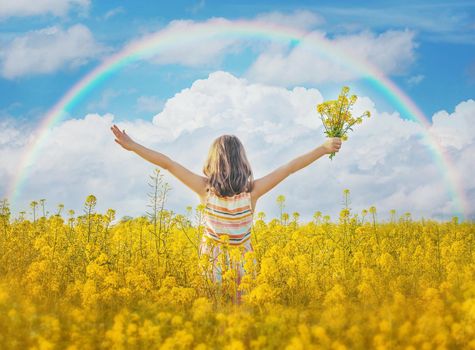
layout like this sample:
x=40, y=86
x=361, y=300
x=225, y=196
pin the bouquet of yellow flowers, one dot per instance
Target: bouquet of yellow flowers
x=336, y=115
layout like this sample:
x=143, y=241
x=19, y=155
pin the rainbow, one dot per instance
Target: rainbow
x=236, y=29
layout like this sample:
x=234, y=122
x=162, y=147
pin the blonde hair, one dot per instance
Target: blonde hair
x=227, y=168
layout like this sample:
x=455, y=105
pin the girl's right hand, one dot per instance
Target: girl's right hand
x=332, y=144
x=122, y=138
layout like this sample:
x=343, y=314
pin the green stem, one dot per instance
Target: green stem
x=323, y=122
x=349, y=126
x=347, y=109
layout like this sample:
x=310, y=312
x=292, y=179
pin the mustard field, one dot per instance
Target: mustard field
x=77, y=281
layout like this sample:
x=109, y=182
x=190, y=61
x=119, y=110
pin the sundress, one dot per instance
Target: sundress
x=230, y=216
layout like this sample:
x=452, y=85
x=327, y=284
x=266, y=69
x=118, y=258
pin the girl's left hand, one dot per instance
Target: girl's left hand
x=332, y=144
x=122, y=138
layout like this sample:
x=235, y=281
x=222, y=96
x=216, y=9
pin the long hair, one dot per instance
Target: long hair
x=227, y=168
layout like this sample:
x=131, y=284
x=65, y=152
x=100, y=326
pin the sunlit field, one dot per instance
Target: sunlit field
x=76, y=281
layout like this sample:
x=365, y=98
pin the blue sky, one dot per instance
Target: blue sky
x=445, y=52
x=46, y=48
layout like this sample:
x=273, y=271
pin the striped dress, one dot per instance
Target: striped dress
x=230, y=216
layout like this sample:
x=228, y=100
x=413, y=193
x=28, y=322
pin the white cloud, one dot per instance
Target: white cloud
x=434, y=21
x=212, y=48
x=392, y=52
x=223, y=101
x=385, y=162
x=277, y=61
x=457, y=129
x=114, y=12
x=149, y=104
x=196, y=7
x=301, y=19
x=186, y=49
x=415, y=79
x=8, y=132
x=104, y=100
x=19, y=8
x=47, y=50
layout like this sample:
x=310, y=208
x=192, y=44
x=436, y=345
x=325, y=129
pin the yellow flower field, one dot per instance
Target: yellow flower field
x=79, y=282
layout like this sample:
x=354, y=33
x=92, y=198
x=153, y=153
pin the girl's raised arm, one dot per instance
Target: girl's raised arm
x=266, y=183
x=194, y=181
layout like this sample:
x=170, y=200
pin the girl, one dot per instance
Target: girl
x=228, y=190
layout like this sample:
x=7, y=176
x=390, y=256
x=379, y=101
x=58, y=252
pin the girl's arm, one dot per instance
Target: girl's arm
x=194, y=181
x=266, y=183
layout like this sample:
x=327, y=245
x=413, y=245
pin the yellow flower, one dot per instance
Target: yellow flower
x=336, y=115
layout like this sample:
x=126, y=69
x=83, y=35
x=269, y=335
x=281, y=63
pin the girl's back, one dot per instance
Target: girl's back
x=228, y=216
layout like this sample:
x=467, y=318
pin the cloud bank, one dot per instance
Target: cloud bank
x=385, y=162
x=21, y=8
x=279, y=61
x=48, y=50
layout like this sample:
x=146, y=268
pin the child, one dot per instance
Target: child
x=228, y=190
